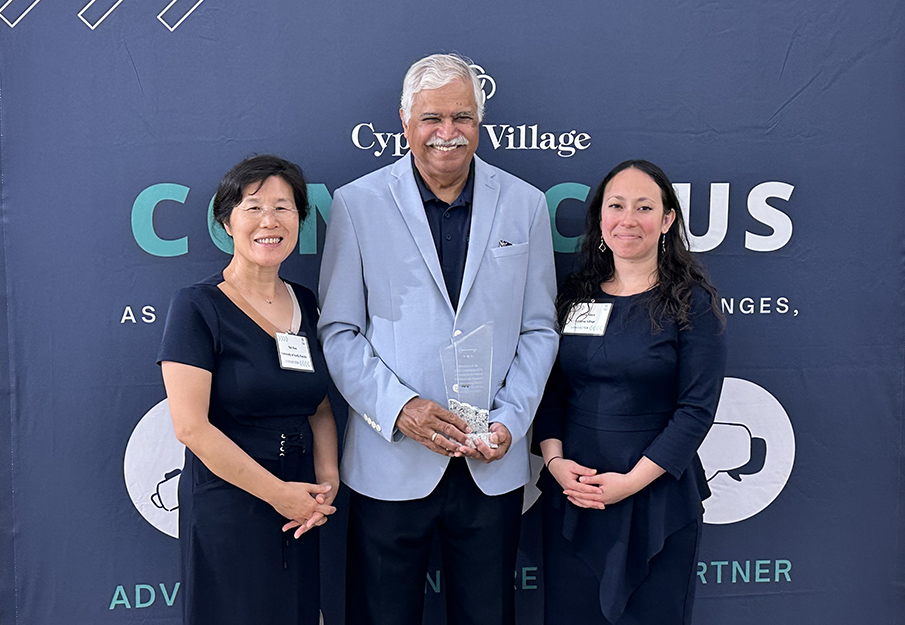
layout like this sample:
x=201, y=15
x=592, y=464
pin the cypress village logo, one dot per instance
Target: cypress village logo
x=501, y=136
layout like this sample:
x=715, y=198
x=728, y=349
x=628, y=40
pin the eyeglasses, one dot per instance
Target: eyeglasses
x=281, y=213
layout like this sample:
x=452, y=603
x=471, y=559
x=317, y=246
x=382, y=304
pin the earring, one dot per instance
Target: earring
x=602, y=246
x=663, y=243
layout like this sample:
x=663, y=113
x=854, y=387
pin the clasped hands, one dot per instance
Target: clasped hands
x=307, y=505
x=585, y=488
x=445, y=433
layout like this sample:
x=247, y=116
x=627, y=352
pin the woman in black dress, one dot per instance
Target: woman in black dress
x=630, y=399
x=247, y=387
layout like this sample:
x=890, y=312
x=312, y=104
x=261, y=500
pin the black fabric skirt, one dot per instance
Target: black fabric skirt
x=237, y=564
x=619, y=544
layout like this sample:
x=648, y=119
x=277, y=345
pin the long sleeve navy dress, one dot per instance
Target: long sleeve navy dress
x=612, y=399
x=238, y=566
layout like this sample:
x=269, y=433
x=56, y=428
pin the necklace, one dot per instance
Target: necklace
x=242, y=290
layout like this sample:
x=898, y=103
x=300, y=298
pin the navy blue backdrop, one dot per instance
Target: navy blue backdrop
x=780, y=123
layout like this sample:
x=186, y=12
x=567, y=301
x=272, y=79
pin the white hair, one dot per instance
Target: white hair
x=435, y=71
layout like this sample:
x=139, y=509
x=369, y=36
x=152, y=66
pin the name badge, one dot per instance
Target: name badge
x=294, y=352
x=588, y=318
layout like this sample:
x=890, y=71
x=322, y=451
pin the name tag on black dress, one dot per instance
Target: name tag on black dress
x=294, y=352
x=588, y=318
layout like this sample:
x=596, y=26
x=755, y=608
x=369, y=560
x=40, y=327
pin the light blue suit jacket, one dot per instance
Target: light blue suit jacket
x=386, y=314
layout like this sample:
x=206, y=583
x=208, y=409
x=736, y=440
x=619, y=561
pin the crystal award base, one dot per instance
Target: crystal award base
x=477, y=420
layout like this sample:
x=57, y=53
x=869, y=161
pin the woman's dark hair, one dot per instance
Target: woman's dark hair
x=258, y=169
x=678, y=272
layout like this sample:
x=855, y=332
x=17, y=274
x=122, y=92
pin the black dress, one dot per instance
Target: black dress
x=238, y=566
x=611, y=400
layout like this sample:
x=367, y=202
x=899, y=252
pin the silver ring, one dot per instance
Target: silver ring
x=434, y=437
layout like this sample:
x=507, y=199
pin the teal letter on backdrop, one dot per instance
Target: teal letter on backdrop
x=555, y=195
x=143, y=219
x=120, y=598
x=218, y=232
x=319, y=200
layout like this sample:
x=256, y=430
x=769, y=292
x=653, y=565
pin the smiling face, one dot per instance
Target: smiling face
x=265, y=224
x=632, y=216
x=443, y=133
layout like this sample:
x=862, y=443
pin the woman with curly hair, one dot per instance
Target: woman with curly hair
x=630, y=399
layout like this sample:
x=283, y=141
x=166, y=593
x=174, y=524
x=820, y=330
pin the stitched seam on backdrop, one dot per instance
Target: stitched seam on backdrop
x=900, y=540
x=4, y=278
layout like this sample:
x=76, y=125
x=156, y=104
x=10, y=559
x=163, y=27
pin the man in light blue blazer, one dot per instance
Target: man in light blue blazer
x=417, y=254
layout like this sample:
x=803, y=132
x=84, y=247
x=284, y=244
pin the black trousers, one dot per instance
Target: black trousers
x=389, y=550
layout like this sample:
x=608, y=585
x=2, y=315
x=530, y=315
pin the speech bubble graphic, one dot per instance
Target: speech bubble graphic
x=166, y=496
x=748, y=454
x=728, y=446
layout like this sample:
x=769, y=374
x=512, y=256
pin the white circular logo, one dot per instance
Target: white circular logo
x=486, y=81
x=748, y=454
x=152, y=466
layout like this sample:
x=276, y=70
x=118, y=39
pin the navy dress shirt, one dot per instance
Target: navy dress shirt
x=450, y=225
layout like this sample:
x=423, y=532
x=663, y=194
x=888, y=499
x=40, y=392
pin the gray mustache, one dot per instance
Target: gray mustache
x=440, y=143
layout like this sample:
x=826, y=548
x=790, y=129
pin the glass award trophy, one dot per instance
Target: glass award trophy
x=466, y=371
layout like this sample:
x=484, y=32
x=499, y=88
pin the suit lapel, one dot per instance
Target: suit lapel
x=410, y=205
x=483, y=210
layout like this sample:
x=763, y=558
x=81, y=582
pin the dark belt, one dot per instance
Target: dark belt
x=270, y=444
x=619, y=423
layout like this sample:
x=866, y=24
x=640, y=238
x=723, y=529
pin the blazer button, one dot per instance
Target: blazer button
x=457, y=332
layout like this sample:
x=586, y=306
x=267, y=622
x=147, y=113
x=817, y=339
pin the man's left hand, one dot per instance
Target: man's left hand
x=499, y=436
